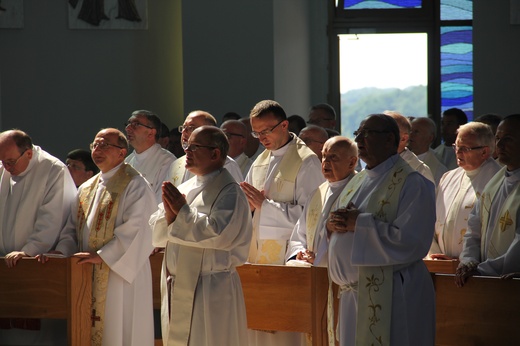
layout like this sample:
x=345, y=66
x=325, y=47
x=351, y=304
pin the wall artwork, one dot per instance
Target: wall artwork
x=108, y=14
x=11, y=14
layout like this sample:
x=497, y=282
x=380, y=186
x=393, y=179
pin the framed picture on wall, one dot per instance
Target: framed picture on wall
x=108, y=14
x=11, y=14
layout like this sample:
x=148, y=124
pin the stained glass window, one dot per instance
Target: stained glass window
x=380, y=4
x=457, y=68
x=456, y=9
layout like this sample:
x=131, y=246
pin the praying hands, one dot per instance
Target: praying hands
x=173, y=201
x=343, y=220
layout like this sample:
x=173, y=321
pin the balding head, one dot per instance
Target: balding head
x=339, y=158
x=236, y=133
x=109, y=149
x=404, y=128
x=194, y=120
x=15, y=151
x=422, y=135
x=314, y=136
x=206, y=150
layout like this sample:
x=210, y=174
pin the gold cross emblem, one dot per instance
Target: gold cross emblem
x=505, y=221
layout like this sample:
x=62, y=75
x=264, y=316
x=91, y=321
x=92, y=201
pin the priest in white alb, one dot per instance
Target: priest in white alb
x=309, y=239
x=205, y=227
x=111, y=223
x=279, y=183
x=492, y=242
x=36, y=193
x=379, y=236
x=460, y=188
x=148, y=157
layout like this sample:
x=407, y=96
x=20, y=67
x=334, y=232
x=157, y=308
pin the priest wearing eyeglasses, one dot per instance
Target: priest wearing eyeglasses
x=281, y=180
x=110, y=218
x=148, y=157
x=205, y=227
x=178, y=173
x=460, y=188
x=36, y=192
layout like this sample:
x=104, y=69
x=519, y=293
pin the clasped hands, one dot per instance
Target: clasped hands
x=173, y=201
x=254, y=196
x=343, y=220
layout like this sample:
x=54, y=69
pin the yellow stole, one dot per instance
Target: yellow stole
x=272, y=251
x=376, y=283
x=177, y=171
x=101, y=233
x=313, y=213
x=503, y=231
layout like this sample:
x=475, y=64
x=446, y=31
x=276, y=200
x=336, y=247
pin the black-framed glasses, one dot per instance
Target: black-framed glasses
x=366, y=132
x=12, y=163
x=466, y=149
x=194, y=147
x=188, y=128
x=103, y=146
x=265, y=132
x=135, y=124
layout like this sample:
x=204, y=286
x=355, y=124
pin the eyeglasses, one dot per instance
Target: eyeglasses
x=12, y=163
x=194, y=147
x=189, y=128
x=366, y=132
x=135, y=124
x=75, y=167
x=265, y=132
x=466, y=149
x=103, y=146
x=231, y=134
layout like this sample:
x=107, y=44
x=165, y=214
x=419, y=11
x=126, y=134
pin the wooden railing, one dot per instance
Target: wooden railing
x=58, y=289
x=486, y=311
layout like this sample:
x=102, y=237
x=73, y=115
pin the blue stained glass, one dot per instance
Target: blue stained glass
x=456, y=9
x=381, y=4
x=457, y=68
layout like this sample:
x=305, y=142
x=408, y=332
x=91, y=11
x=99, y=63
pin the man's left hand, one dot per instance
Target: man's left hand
x=89, y=257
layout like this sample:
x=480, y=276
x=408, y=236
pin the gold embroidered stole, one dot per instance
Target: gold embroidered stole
x=102, y=231
x=503, y=231
x=188, y=268
x=178, y=170
x=272, y=251
x=376, y=283
x=313, y=214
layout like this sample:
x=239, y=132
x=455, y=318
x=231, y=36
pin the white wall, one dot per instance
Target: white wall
x=62, y=85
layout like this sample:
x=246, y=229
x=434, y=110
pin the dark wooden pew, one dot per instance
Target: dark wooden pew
x=486, y=311
x=58, y=289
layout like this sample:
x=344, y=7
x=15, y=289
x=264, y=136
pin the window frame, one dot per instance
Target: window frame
x=378, y=21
